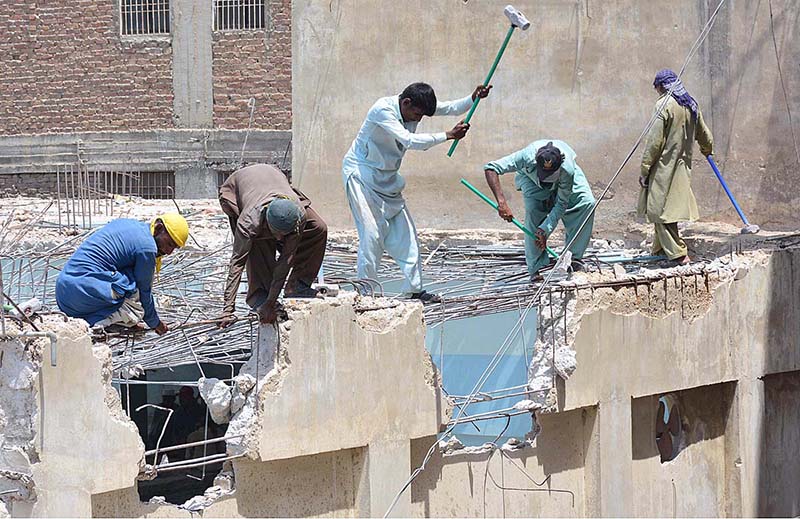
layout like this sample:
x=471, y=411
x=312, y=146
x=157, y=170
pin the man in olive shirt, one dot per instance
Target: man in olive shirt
x=267, y=215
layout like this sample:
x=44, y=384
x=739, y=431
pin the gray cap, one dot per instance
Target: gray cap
x=283, y=215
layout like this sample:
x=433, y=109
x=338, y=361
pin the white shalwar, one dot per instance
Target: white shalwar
x=374, y=187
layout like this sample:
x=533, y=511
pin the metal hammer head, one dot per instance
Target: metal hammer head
x=750, y=229
x=517, y=18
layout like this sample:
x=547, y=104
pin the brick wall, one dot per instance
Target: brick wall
x=255, y=64
x=64, y=67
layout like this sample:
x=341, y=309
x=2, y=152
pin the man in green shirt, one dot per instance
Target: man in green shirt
x=554, y=188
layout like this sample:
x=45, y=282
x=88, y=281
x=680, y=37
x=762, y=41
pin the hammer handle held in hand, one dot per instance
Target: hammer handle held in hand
x=727, y=191
x=485, y=83
x=516, y=222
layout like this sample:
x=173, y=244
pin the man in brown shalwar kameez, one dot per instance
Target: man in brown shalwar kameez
x=666, y=197
x=268, y=216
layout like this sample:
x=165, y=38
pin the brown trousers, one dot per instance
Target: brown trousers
x=262, y=257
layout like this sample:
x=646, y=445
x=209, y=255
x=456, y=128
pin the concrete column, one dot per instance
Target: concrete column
x=195, y=182
x=192, y=85
x=615, y=457
x=388, y=466
x=748, y=435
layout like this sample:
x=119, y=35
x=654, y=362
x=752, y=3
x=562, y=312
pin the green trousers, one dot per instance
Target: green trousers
x=668, y=240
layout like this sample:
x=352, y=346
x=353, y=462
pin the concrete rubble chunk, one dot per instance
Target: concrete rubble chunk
x=217, y=396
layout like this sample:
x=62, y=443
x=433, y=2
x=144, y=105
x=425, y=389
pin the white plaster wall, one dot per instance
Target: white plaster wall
x=349, y=380
x=85, y=446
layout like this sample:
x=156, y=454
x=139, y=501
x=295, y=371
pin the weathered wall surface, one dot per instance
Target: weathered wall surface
x=346, y=410
x=64, y=67
x=584, y=76
x=74, y=440
x=323, y=485
x=470, y=485
x=348, y=379
x=258, y=65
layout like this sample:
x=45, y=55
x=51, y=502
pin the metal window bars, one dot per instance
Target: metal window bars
x=139, y=17
x=81, y=192
x=238, y=15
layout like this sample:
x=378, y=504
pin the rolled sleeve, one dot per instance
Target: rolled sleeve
x=508, y=164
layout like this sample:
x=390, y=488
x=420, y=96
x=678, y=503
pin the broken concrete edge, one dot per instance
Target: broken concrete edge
x=269, y=364
x=21, y=363
x=655, y=294
x=25, y=380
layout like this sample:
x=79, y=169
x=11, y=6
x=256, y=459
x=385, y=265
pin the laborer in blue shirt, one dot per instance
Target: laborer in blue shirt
x=554, y=188
x=109, y=278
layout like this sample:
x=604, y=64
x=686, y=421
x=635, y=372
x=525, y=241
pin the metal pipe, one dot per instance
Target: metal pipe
x=199, y=464
x=26, y=335
x=193, y=444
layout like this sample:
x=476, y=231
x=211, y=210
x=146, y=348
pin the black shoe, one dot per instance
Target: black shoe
x=426, y=297
x=301, y=293
x=299, y=290
x=577, y=266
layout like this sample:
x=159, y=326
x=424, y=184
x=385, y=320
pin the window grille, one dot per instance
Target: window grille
x=237, y=15
x=144, y=17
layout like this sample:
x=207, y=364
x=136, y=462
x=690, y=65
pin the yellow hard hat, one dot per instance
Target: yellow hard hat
x=176, y=226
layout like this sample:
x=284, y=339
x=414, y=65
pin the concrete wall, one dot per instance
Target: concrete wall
x=345, y=409
x=369, y=380
x=83, y=444
x=582, y=73
x=29, y=162
x=334, y=485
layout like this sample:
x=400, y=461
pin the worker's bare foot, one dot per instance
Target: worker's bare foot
x=683, y=260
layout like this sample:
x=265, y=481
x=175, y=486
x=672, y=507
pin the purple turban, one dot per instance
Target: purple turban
x=667, y=79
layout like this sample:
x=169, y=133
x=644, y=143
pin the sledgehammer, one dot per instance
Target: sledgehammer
x=517, y=20
x=748, y=228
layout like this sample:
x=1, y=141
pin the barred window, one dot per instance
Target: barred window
x=236, y=15
x=144, y=17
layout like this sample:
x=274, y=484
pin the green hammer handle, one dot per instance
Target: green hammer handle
x=485, y=83
x=516, y=222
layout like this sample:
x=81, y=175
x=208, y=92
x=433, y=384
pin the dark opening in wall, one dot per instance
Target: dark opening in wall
x=666, y=424
x=190, y=425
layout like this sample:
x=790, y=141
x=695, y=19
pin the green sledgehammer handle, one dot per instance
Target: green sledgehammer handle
x=516, y=222
x=485, y=83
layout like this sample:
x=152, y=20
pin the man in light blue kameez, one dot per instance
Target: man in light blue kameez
x=374, y=185
x=554, y=188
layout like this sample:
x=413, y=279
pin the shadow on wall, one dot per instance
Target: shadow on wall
x=778, y=467
x=558, y=457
